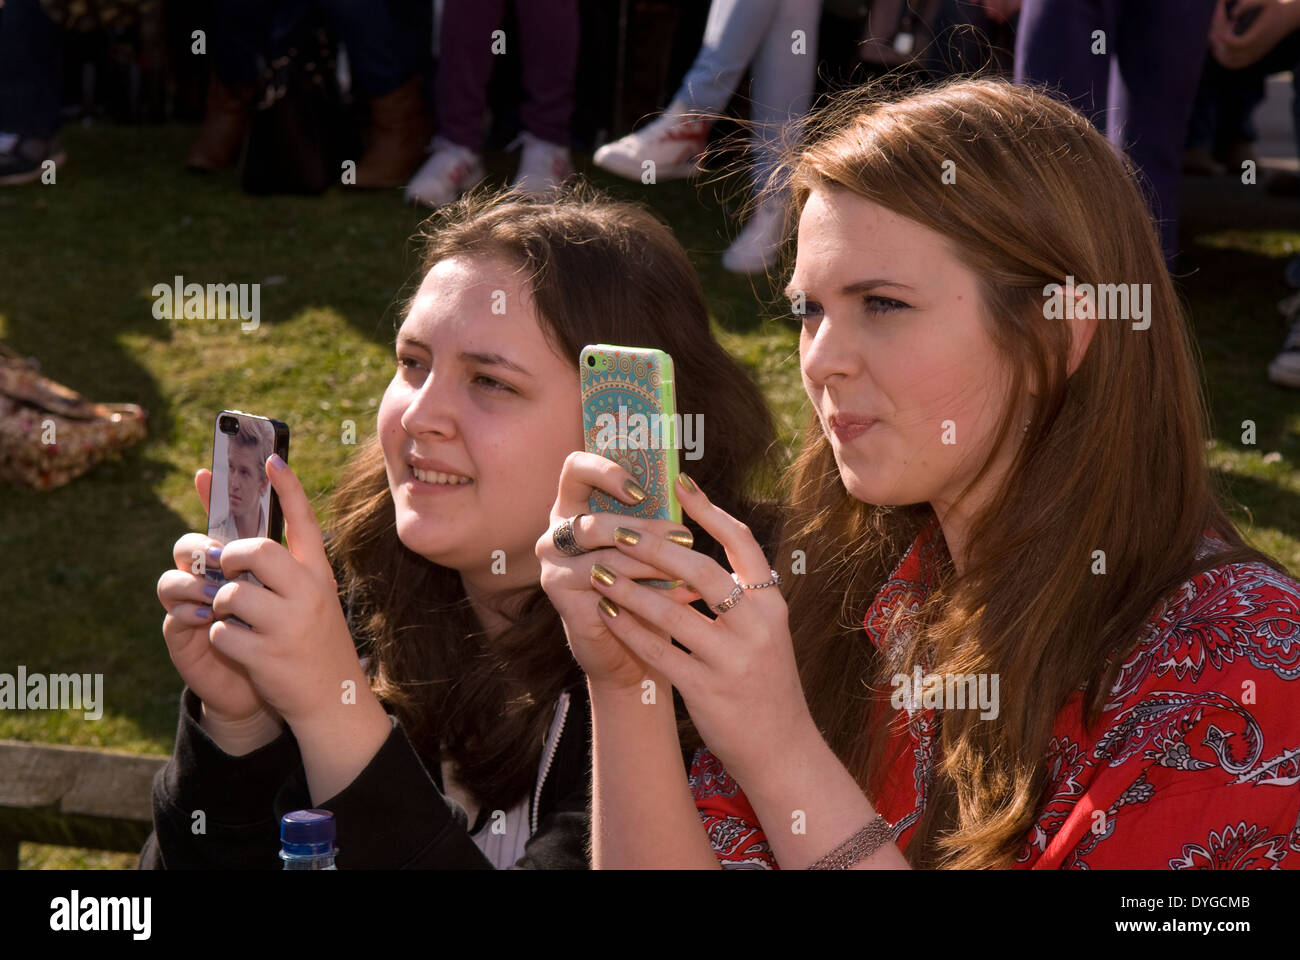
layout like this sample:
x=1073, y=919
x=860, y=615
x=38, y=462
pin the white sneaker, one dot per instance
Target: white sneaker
x=450, y=170
x=1285, y=368
x=759, y=242
x=542, y=166
x=673, y=143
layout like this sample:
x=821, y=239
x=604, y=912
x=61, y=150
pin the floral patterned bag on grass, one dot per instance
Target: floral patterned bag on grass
x=50, y=434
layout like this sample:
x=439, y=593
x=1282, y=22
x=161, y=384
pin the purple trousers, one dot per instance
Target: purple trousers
x=548, y=44
x=1139, y=93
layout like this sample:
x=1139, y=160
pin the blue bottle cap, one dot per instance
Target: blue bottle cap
x=307, y=833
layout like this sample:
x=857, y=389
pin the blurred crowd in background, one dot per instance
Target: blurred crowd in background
x=299, y=95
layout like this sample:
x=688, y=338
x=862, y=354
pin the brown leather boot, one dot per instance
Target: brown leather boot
x=225, y=123
x=399, y=136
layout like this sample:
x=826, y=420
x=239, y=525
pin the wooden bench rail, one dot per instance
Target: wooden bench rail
x=73, y=796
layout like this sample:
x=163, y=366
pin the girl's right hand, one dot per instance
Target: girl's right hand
x=229, y=700
x=567, y=580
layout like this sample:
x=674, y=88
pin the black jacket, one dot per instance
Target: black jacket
x=392, y=815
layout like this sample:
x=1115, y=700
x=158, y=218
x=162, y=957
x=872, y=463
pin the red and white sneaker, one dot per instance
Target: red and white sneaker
x=542, y=166
x=674, y=143
x=450, y=170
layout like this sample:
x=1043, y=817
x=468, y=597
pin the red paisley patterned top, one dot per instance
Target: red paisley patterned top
x=1196, y=764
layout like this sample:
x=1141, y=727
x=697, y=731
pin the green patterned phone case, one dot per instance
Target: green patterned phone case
x=629, y=415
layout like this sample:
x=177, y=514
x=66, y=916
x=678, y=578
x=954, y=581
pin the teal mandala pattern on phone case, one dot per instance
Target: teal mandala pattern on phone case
x=624, y=420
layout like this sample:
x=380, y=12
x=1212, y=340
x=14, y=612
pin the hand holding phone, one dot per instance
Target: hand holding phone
x=232, y=708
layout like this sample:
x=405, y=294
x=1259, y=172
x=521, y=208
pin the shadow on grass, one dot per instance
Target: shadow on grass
x=84, y=561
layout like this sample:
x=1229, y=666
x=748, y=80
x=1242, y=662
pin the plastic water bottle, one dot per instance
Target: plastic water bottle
x=307, y=840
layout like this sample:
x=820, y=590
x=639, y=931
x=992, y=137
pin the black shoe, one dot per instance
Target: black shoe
x=21, y=158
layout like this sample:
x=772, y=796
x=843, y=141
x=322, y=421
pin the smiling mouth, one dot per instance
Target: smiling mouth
x=444, y=479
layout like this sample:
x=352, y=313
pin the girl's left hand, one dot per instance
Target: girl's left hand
x=739, y=682
x=299, y=653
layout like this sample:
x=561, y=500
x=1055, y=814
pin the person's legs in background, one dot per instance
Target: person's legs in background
x=1235, y=134
x=733, y=36
x=549, y=45
x=672, y=143
x=239, y=35
x=1140, y=90
x=784, y=73
x=1202, y=124
x=1284, y=370
x=1159, y=50
x=382, y=38
x=1220, y=129
x=1283, y=58
x=465, y=45
x=30, y=72
x=1054, y=44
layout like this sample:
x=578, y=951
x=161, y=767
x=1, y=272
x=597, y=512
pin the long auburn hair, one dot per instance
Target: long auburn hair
x=1113, y=459
x=599, y=271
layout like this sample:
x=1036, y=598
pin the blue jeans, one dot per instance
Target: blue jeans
x=30, y=70
x=1139, y=93
x=741, y=31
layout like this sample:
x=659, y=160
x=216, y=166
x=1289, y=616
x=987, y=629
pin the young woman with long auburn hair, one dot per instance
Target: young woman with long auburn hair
x=466, y=741
x=1002, y=490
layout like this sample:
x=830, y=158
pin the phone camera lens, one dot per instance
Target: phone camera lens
x=591, y=361
x=229, y=425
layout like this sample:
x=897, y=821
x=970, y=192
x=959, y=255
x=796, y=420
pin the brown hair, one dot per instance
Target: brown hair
x=1113, y=460
x=600, y=272
x=254, y=433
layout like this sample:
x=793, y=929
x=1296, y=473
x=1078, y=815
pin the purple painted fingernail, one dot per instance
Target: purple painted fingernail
x=277, y=462
x=210, y=590
x=203, y=613
x=214, y=554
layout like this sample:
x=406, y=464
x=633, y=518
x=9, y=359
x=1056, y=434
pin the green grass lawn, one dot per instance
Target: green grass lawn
x=77, y=263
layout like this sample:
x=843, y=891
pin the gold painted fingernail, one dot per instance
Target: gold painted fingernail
x=624, y=535
x=608, y=607
x=682, y=538
x=603, y=575
x=633, y=490
x=660, y=584
x=688, y=483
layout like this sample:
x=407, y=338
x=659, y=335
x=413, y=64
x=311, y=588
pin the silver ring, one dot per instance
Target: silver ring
x=564, y=539
x=736, y=596
x=774, y=582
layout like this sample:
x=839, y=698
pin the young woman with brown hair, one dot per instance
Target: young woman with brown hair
x=1070, y=657
x=464, y=742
